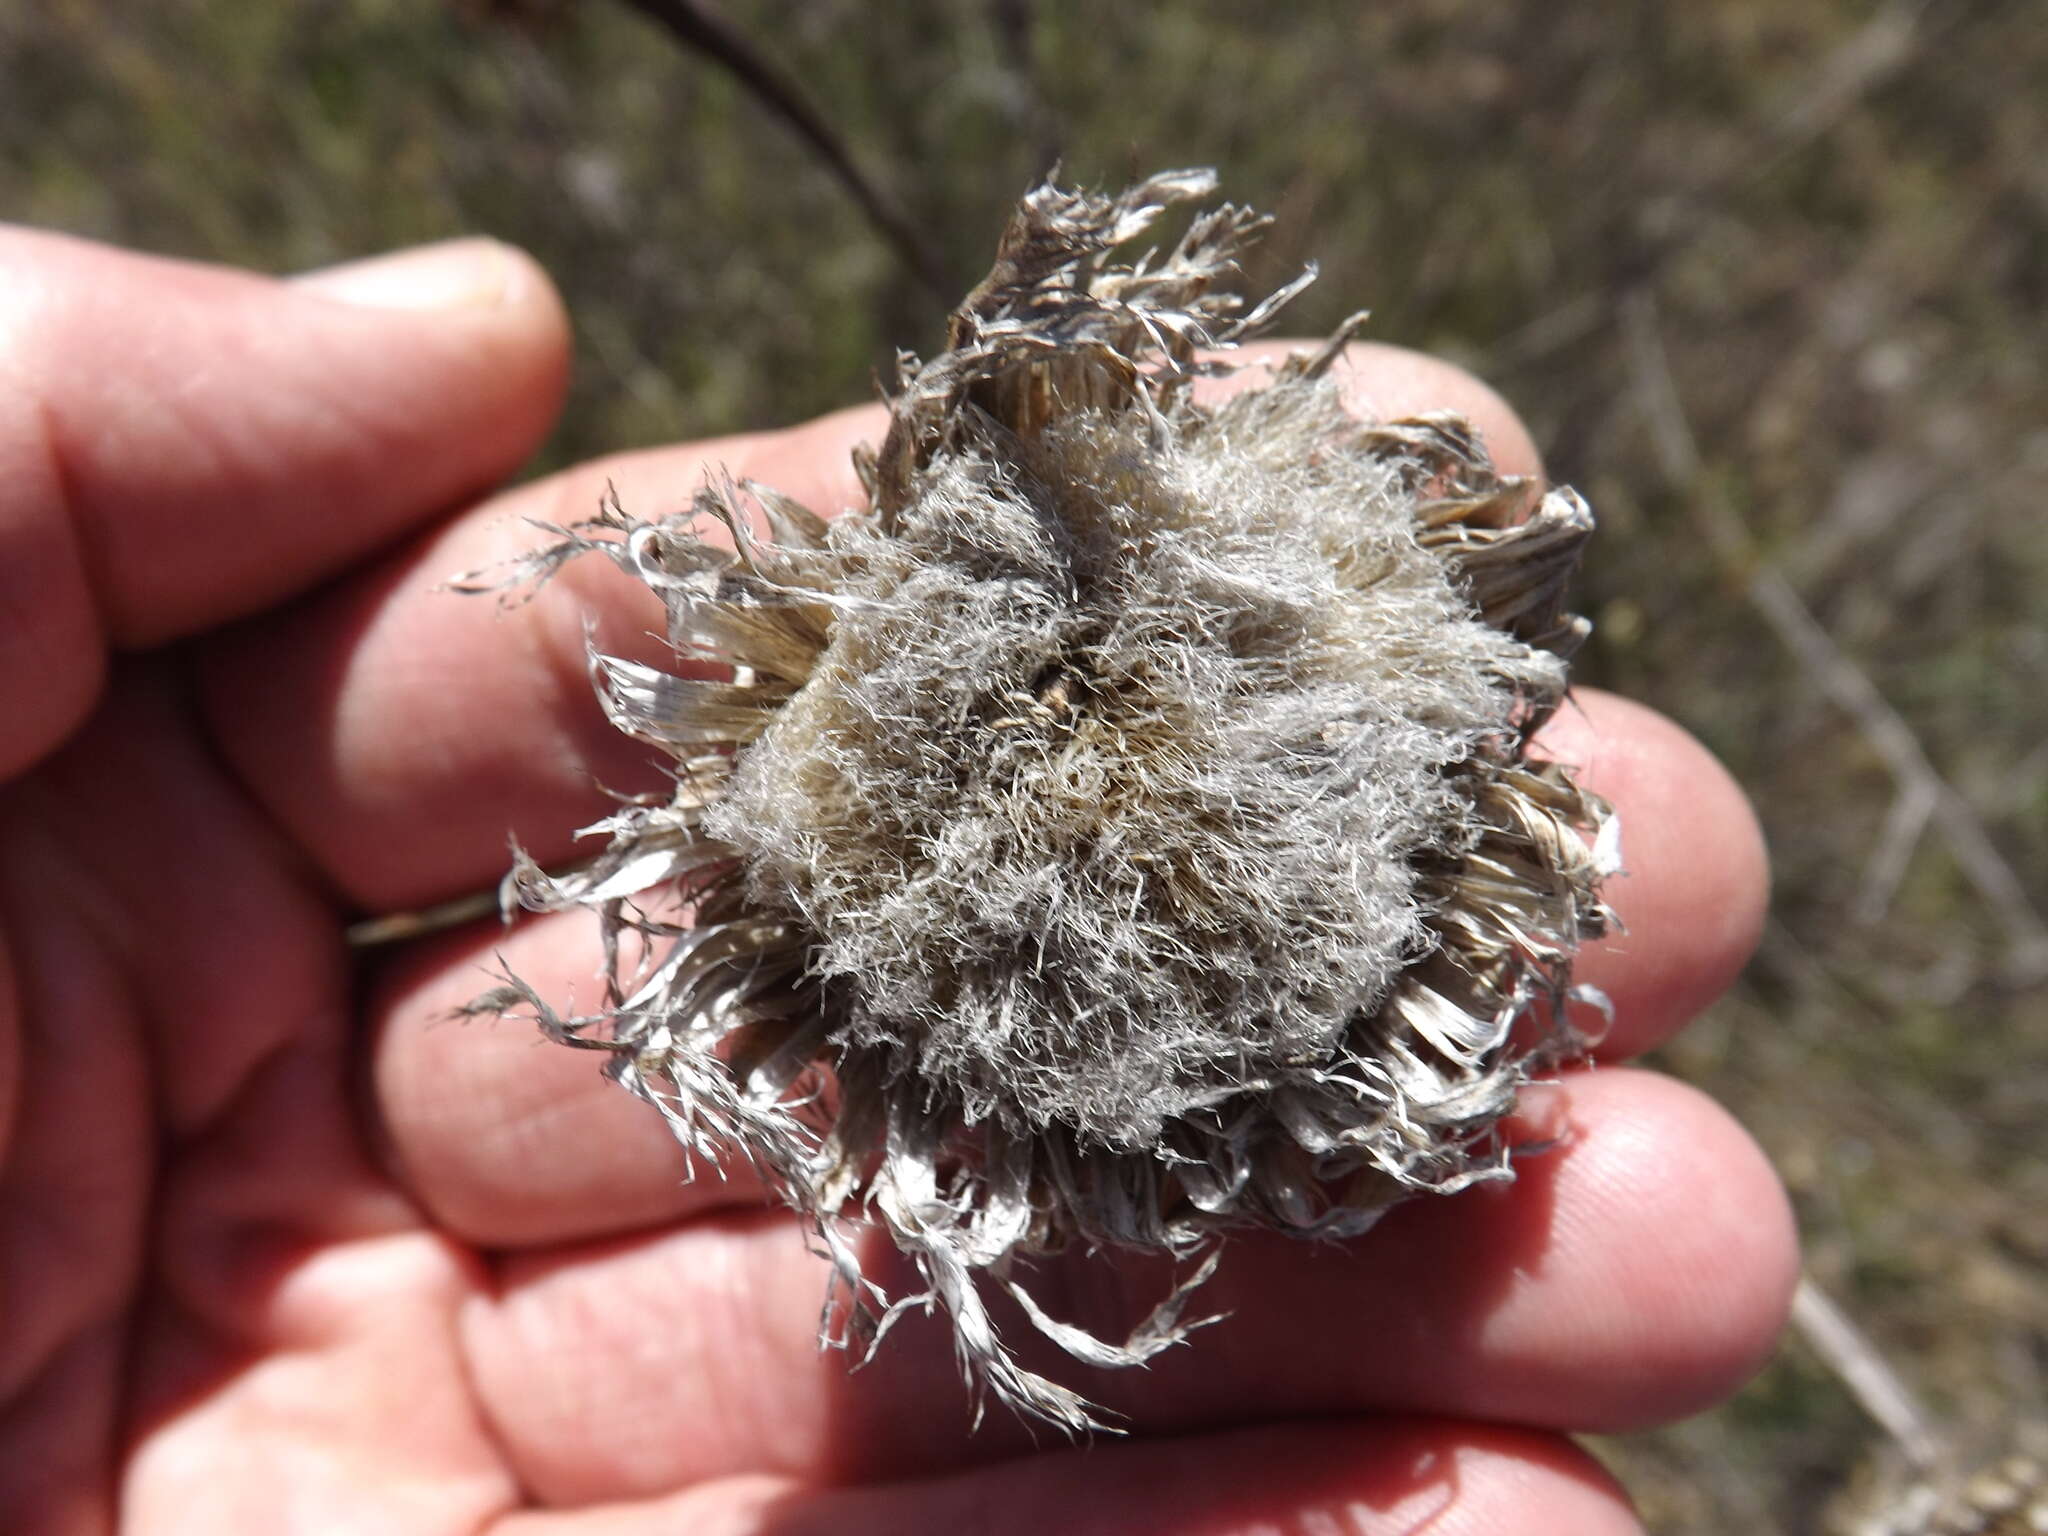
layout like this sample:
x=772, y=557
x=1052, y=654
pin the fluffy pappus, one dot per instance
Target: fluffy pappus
x=1118, y=831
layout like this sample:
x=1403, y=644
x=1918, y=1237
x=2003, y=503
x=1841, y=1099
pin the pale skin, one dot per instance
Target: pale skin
x=283, y=1249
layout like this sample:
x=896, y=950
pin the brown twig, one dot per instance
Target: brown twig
x=456, y=912
x=397, y=927
x=698, y=26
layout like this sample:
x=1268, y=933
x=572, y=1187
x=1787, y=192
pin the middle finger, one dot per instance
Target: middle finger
x=1634, y=1274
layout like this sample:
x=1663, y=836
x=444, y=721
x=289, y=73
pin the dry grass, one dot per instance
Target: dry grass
x=1769, y=278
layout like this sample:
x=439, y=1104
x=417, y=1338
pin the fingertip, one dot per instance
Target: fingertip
x=1695, y=888
x=1708, y=1280
x=1381, y=382
x=1386, y=381
x=1637, y=1272
x=493, y=299
x=485, y=347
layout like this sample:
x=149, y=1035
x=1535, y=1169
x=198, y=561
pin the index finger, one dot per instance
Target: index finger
x=401, y=733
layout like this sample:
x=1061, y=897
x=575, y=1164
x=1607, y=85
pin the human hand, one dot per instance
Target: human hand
x=284, y=1248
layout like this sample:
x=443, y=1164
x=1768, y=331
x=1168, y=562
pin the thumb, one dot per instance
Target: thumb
x=182, y=444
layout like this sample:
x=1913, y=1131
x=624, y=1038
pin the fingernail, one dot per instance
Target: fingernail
x=454, y=274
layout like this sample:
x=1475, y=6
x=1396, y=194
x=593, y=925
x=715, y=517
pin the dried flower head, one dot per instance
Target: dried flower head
x=1117, y=832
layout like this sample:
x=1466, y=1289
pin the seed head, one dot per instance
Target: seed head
x=1117, y=832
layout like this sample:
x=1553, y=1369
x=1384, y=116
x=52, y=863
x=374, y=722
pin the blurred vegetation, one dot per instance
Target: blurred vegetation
x=1768, y=278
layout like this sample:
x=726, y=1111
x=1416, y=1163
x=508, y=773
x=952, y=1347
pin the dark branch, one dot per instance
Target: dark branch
x=698, y=26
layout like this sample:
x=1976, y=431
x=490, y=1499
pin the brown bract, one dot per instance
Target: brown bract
x=1118, y=832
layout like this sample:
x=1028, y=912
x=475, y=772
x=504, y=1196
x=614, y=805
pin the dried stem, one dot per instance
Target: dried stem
x=1847, y=1351
x=397, y=927
x=418, y=923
